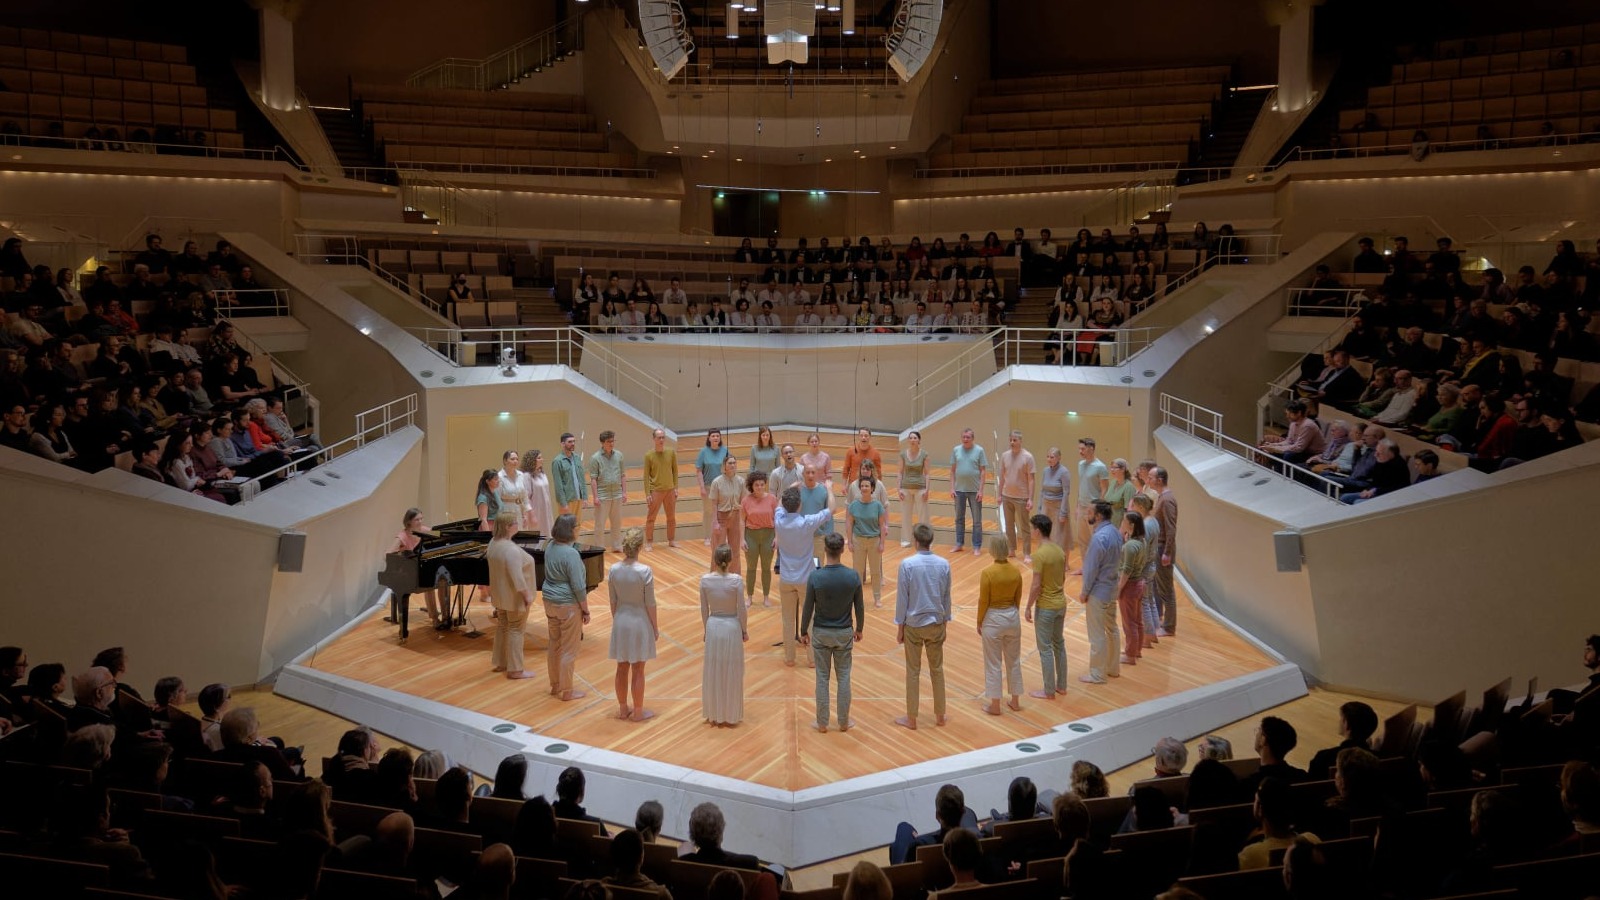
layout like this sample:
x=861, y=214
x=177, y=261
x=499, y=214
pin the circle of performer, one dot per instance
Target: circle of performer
x=778, y=519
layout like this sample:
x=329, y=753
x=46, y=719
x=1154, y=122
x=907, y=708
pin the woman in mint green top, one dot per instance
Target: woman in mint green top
x=1121, y=489
x=764, y=455
x=866, y=537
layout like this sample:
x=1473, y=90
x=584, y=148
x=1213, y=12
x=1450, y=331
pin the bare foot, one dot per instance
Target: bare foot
x=821, y=728
x=1014, y=704
x=1090, y=679
x=642, y=714
x=1128, y=661
x=877, y=604
x=498, y=669
x=906, y=722
x=624, y=713
x=789, y=663
x=992, y=708
x=939, y=721
x=766, y=602
x=1042, y=695
x=514, y=676
x=846, y=726
x=573, y=695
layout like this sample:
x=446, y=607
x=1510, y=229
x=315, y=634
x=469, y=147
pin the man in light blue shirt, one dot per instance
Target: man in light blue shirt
x=969, y=467
x=1100, y=561
x=921, y=609
x=793, y=533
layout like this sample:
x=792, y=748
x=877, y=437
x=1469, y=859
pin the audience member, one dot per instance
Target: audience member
x=1275, y=739
x=1357, y=724
x=949, y=808
x=627, y=856
x=569, y=797
x=1274, y=813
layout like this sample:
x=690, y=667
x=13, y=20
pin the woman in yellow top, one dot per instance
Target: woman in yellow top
x=999, y=593
x=661, y=489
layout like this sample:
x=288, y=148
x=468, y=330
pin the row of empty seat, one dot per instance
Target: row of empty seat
x=62, y=63
x=1142, y=157
x=1116, y=78
x=89, y=44
x=1150, y=114
x=488, y=131
x=448, y=262
x=1502, y=52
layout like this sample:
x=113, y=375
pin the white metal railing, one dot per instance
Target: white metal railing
x=1206, y=424
x=1341, y=302
x=505, y=67
x=295, y=391
x=256, y=302
x=421, y=189
x=465, y=346
x=998, y=348
x=345, y=250
x=380, y=421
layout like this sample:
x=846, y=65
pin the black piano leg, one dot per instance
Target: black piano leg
x=404, y=616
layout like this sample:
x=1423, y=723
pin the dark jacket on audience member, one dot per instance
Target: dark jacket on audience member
x=567, y=810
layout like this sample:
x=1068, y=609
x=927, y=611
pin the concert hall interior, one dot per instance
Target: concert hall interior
x=304, y=302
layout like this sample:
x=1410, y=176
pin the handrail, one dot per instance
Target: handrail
x=503, y=68
x=1187, y=417
x=1152, y=166
x=258, y=302
x=413, y=180
x=514, y=169
x=1303, y=301
x=390, y=416
x=1491, y=143
x=345, y=250
x=127, y=145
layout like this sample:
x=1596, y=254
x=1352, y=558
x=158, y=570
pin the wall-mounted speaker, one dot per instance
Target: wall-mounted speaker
x=662, y=24
x=1286, y=545
x=911, y=36
x=291, y=551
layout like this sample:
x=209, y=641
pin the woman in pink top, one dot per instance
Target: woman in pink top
x=817, y=459
x=758, y=507
x=405, y=542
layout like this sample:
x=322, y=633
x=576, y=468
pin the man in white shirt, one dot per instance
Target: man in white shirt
x=1016, y=477
x=799, y=296
x=171, y=342
x=631, y=320
x=947, y=321
x=808, y=322
x=743, y=292
x=919, y=322
x=772, y=294
x=787, y=474
x=1404, y=400
x=768, y=322
x=674, y=294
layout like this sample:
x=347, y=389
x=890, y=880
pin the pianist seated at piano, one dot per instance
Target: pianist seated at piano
x=487, y=502
x=512, y=582
x=406, y=542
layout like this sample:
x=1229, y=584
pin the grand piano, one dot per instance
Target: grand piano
x=453, y=555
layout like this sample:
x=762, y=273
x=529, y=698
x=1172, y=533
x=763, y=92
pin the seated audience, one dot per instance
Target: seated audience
x=569, y=797
x=1357, y=724
x=627, y=856
x=1275, y=739
x=1274, y=813
x=949, y=809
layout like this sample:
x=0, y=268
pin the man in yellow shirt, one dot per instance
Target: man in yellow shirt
x=1046, y=592
x=661, y=489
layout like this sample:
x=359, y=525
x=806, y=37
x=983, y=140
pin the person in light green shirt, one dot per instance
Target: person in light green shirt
x=610, y=492
x=1093, y=479
x=1121, y=489
x=1048, y=597
x=867, y=521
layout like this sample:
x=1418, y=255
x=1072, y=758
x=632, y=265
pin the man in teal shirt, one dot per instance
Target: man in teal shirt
x=1093, y=479
x=814, y=498
x=566, y=477
x=969, y=468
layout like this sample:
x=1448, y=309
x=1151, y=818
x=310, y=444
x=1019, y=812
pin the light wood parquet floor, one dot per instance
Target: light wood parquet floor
x=776, y=745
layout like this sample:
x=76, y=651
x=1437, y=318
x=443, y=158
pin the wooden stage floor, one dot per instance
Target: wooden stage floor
x=776, y=744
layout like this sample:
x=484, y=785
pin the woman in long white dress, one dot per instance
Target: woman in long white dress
x=726, y=630
x=513, y=487
x=540, y=515
x=634, y=630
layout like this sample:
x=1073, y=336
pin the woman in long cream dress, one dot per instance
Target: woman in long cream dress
x=513, y=489
x=634, y=630
x=540, y=515
x=726, y=630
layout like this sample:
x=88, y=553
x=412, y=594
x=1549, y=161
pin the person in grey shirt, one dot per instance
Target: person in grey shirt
x=921, y=611
x=1099, y=594
x=833, y=595
x=787, y=474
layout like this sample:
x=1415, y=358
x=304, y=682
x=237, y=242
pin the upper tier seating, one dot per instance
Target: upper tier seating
x=467, y=131
x=78, y=82
x=1519, y=88
x=1143, y=118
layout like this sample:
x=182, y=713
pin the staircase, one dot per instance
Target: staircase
x=349, y=144
x=1219, y=149
x=537, y=309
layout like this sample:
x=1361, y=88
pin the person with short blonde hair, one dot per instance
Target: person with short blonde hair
x=634, y=629
x=512, y=581
x=1000, y=629
x=867, y=882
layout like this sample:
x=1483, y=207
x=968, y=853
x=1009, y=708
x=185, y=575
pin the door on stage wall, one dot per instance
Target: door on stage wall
x=1042, y=429
x=476, y=442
